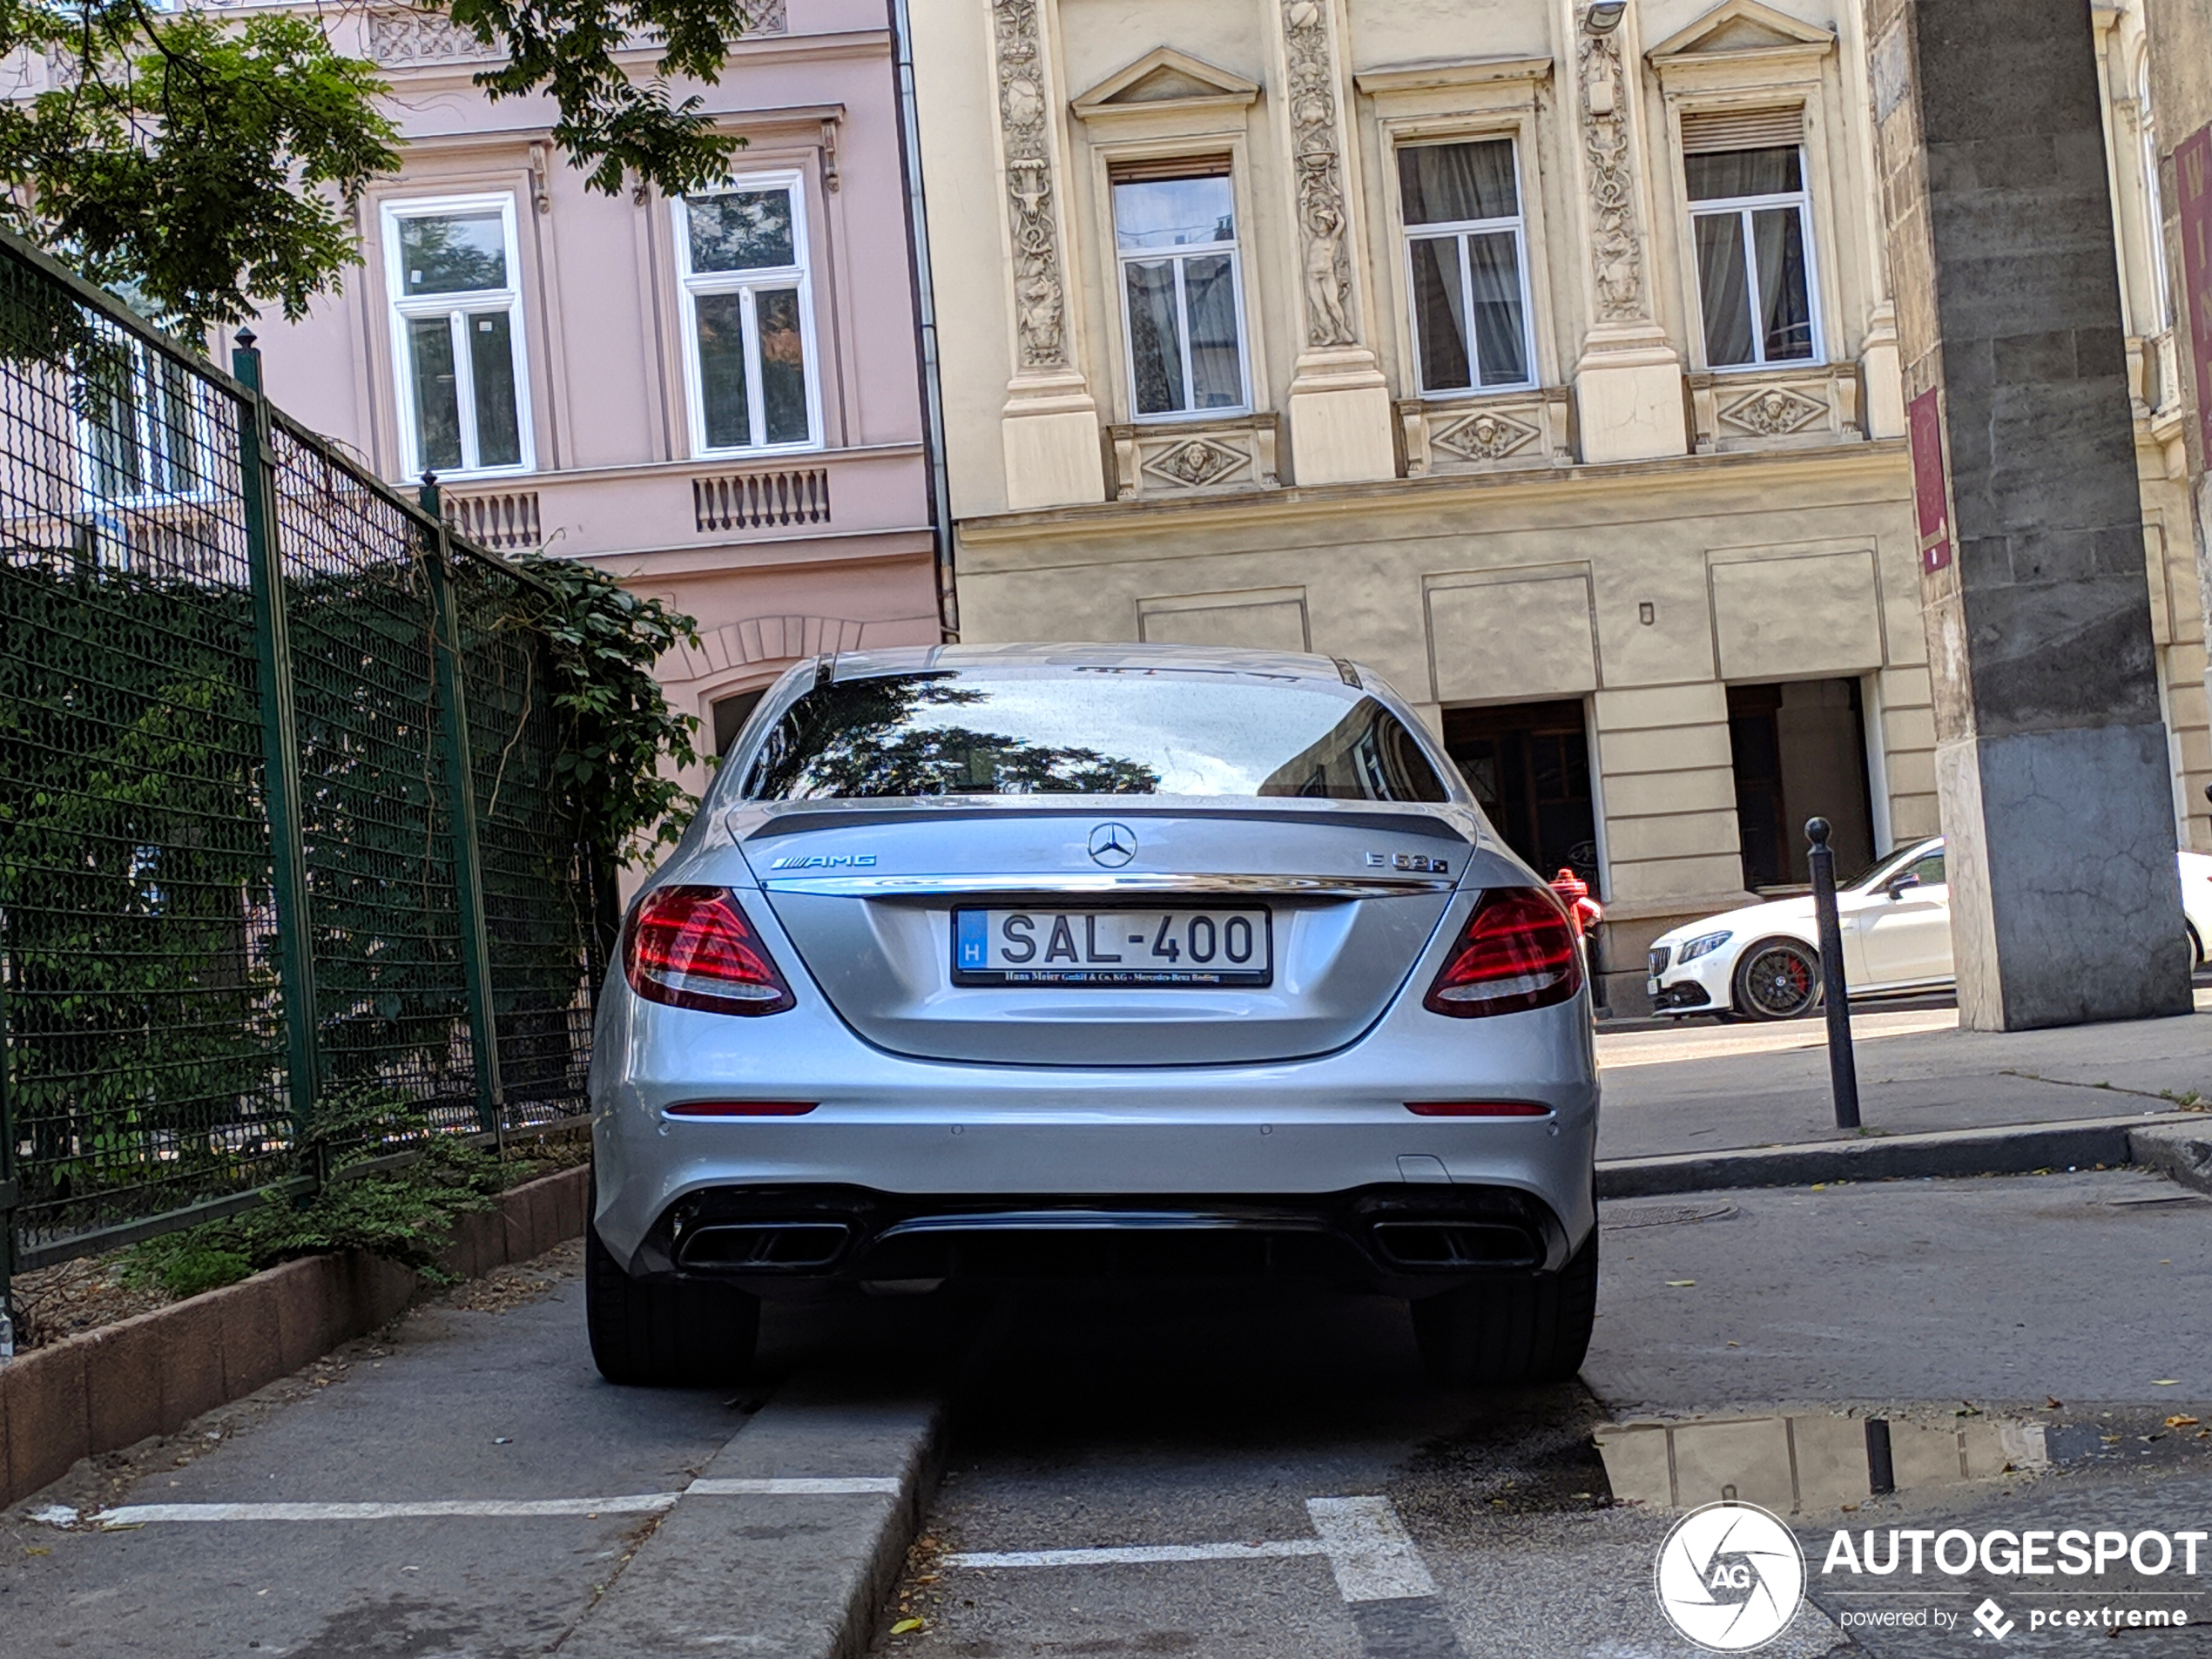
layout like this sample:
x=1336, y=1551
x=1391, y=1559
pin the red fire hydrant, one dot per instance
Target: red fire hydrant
x=1574, y=893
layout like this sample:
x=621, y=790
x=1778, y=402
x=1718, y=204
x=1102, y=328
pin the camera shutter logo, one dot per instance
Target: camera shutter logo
x=1730, y=1577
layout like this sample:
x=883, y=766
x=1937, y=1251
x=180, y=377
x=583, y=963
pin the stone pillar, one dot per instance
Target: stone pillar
x=1049, y=428
x=1338, y=406
x=1627, y=386
x=2050, y=757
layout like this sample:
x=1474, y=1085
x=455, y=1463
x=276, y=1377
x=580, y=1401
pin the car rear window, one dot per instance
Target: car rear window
x=1095, y=731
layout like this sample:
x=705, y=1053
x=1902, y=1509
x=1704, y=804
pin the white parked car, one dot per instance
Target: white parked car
x=1763, y=962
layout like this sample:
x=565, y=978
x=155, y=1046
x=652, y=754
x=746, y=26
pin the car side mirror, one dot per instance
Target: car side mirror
x=1897, y=885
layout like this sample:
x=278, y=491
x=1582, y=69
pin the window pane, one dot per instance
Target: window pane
x=437, y=397
x=1174, y=212
x=453, y=254
x=1786, y=321
x=107, y=393
x=1440, y=321
x=1724, y=285
x=1499, y=336
x=492, y=364
x=783, y=365
x=1216, y=356
x=1743, y=172
x=1155, y=342
x=722, y=391
x=740, y=230
x=1444, y=183
x=172, y=429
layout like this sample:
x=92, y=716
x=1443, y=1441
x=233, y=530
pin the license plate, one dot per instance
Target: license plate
x=1107, y=948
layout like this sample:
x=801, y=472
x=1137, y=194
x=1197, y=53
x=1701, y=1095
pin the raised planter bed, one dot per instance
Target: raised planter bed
x=112, y=1387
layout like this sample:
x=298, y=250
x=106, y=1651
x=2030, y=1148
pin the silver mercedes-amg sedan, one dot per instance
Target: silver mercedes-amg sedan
x=1018, y=962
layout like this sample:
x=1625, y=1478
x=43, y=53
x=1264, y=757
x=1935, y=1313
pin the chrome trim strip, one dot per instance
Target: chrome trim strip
x=1074, y=882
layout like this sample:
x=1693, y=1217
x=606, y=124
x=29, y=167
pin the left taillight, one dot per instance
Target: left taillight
x=692, y=948
x=1517, y=952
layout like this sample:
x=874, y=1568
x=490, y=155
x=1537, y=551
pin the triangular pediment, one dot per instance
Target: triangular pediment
x=1165, y=76
x=1741, y=26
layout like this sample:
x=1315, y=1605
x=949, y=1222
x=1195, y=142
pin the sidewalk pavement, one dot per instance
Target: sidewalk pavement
x=1709, y=1088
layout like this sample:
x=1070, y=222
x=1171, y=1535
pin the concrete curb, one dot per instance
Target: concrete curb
x=112, y=1387
x=796, y=1575
x=2161, y=1141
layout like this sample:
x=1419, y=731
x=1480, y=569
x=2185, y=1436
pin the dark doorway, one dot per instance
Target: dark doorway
x=730, y=715
x=1529, y=765
x=1799, y=750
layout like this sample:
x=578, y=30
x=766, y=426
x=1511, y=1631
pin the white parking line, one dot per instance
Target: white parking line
x=635, y=1503
x=1367, y=1546
x=1138, y=1554
x=1369, y=1550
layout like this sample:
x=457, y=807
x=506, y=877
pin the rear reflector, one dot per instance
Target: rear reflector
x=692, y=948
x=740, y=1109
x=1477, y=1108
x=1519, y=952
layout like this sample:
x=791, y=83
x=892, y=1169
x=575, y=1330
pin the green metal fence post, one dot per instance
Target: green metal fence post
x=9, y=1196
x=280, y=746
x=461, y=787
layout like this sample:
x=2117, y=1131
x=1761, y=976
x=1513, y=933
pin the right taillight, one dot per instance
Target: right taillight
x=1517, y=952
x=692, y=948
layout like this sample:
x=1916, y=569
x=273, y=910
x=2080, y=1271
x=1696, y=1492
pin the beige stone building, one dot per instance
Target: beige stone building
x=1538, y=352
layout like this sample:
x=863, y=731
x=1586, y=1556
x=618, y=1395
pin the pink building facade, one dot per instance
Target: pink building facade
x=716, y=400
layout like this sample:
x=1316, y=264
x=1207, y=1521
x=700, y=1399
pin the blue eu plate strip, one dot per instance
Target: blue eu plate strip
x=974, y=926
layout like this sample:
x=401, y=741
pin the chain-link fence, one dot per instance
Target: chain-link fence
x=282, y=855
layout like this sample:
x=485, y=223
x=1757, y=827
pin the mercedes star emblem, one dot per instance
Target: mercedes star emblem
x=1113, y=845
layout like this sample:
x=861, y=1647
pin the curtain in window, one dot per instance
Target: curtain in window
x=1217, y=372
x=1742, y=173
x=1786, y=322
x=1448, y=184
x=1438, y=315
x=1499, y=334
x=1155, y=342
x=722, y=390
x=1723, y=284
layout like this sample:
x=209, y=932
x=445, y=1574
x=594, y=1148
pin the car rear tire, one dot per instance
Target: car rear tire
x=684, y=1333
x=1777, y=979
x=1511, y=1334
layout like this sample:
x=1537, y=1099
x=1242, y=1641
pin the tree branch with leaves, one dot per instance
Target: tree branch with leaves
x=209, y=162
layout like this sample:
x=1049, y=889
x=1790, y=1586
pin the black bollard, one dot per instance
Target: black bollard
x=1843, y=1070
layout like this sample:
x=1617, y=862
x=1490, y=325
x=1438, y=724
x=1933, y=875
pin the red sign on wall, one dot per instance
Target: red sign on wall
x=2193, y=173
x=1931, y=501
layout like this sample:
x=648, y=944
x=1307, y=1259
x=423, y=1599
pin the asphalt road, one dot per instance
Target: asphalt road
x=1364, y=1512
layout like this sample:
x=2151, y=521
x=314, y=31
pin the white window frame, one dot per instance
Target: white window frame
x=691, y=285
x=1518, y=223
x=145, y=410
x=2162, y=304
x=1125, y=257
x=1743, y=207
x=403, y=308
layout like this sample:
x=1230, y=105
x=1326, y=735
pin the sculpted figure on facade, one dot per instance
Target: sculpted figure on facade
x=1317, y=145
x=1040, y=313
x=1616, y=252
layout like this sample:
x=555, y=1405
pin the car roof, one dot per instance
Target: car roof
x=1218, y=659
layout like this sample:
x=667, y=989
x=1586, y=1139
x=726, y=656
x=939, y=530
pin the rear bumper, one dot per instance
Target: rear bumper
x=1408, y=1240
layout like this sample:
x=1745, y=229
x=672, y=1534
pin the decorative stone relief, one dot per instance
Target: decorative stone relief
x=1316, y=149
x=1040, y=308
x=1616, y=250
x=399, y=38
x=1237, y=453
x=1774, y=411
x=1485, y=437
